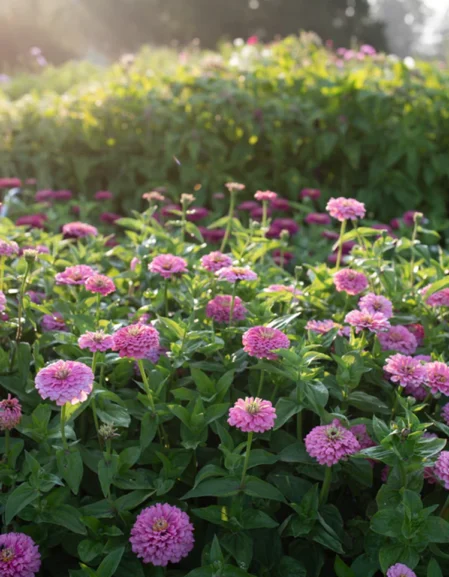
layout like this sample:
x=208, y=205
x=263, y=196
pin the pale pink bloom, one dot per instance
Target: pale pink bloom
x=135, y=341
x=233, y=274
x=261, y=342
x=74, y=275
x=78, y=230
x=168, y=265
x=345, y=208
x=364, y=319
x=350, y=281
x=265, y=195
x=376, y=304
x=8, y=248
x=65, y=382
x=399, y=339
x=215, y=261
x=219, y=309
x=329, y=444
x=252, y=415
x=133, y=264
x=406, y=371
x=101, y=284
x=437, y=299
x=95, y=341
x=54, y=322
x=154, y=195
x=2, y=301
x=10, y=417
x=400, y=570
x=320, y=218
x=441, y=468
x=235, y=186
x=321, y=327
x=361, y=434
x=438, y=377
x=19, y=555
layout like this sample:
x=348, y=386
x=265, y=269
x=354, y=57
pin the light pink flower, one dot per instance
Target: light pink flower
x=399, y=339
x=329, y=444
x=54, y=322
x=78, y=230
x=65, y=382
x=262, y=195
x=74, y=275
x=438, y=377
x=8, y=248
x=19, y=555
x=2, y=301
x=345, y=208
x=364, y=319
x=400, y=570
x=135, y=341
x=101, y=284
x=233, y=274
x=10, y=416
x=215, y=261
x=321, y=327
x=252, y=415
x=406, y=371
x=95, y=341
x=261, y=342
x=162, y=534
x=441, y=468
x=376, y=304
x=320, y=218
x=350, y=281
x=219, y=309
x=437, y=299
x=361, y=434
x=168, y=265
x=133, y=264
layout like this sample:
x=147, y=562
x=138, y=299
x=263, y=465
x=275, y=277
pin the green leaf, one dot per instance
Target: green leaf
x=254, y=519
x=434, y=569
x=290, y=567
x=436, y=530
x=240, y=546
x=106, y=473
x=88, y=550
x=113, y=414
x=255, y=487
x=204, y=385
x=68, y=517
x=148, y=430
x=110, y=563
x=131, y=500
x=215, y=555
x=341, y=569
x=227, y=487
x=70, y=467
x=285, y=410
x=21, y=497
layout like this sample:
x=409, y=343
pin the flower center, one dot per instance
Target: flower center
x=253, y=408
x=7, y=554
x=62, y=373
x=98, y=337
x=134, y=331
x=333, y=433
x=267, y=333
x=160, y=525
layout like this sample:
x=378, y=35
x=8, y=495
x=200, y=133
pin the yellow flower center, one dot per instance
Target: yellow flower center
x=160, y=525
x=7, y=554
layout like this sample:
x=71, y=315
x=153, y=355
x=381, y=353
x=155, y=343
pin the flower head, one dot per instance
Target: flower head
x=196, y=213
x=350, y=281
x=235, y=273
x=10, y=414
x=153, y=196
x=321, y=327
x=65, y=382
x=167, y=265
x=376, y=304
x=101, y=284
x=109, y=217
x=32, y=220
x=399, y=339
x=103, y=195
x=280, y=204
x=261, y=342
x=438, y=377
x=248, y=205
x=265, y=195
x=437, y=299
x=74, y=275
x=345, y=208
x=282, y=288
x=361, y=434
x=418, y=331
x=235, y=186
x=95, y=341
x=215, y=261
x=219, y=309
x=364, y=319
x=445, y=413
x=320, y=218
x=19, y=555
x=312, y=193
x=329, y=444
x=252, y=415
x=135, y=341
x=441, y=468
x=2, y=301
x=78, y=230
x=280, y=224
x=8, y=248
x=61, y=195
x=10, y=182
x=406, y=371
x=54, y=322
x=162, y=534
x=212, y=235
x=400, y=570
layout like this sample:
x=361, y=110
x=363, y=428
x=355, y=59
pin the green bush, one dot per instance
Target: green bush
x=279, y=117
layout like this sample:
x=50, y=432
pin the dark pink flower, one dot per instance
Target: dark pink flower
x=280, y=204
x=418, y=331
x=345, y=208
x=213, y=235
x=261, y=342
x=10, y=416
x=8, y=248
x=361, y=434
x=19, y=555
x=196, y=213
x=103, y=195
x=10, y=182
x=215, y=260
x=374, y=322
x=350, y=281
x=78, y=230
x=54, y=322
x=171, y=209
x=442, y=468
x=329, y=444
x=219, y=309
x=74, y=275
x=445, y=413
x=252, y=415
x=43, y=195
x=136, y=341
x=65, y=382
x=399, y=339
x=101, y=284
x=280, y=224
x=320, y=218
x=408, y=218
x=282, y=258
x=61, y=195
x=312, y=193
x=233, y=274
x=257, y=213
x=167, y=265
x=252, y=40
x=109, y=217
x=32, y=220
x=248, y=205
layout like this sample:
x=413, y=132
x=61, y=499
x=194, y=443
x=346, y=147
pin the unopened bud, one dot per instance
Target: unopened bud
x=30, y=255
x=108, y=432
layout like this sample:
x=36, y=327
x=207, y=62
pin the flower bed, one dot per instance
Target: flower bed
x=188, y=408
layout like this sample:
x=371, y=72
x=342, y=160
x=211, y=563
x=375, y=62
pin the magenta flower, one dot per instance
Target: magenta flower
x=320, y=218
x=74, y=275
x=266, y=195
x=282, y=258
x=438, y=377
x=43, y=195
x=408, y=218
x=135, y=341
x=32, y=220
x=215, y=261
x=437, y=299
x=103, y=195
x=167, y=265
x=280, y=204
x=162, y=534
x=400, y=570
x=441, y=468
x=418, y=331
x=399, y=339
x=65, y=382
x=261, y=342
x=252, y=415
x=233, y=274
x=406, y=371
x=445, y=413
x=376, y=304
x=19, y=555
x=10, y=414
x=2, y=301
x=196, y=213
x=78, y=230
x=345, y=208
x=364, y=319
x=10, y=182
x=54, y=322
x=8, y=248
x=109, y=217
x=350, y=281
x=248, y=205
x=312, y=193
x=171, y=209
x=61, y=195
x=361, y=434
x=321, y=327
x=95, y=341
x=280, y=224
x=101, y=284
x=257, y=213
x=219, y=309
x=329, y=444
x=213, y=235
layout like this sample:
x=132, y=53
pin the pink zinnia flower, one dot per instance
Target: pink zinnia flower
x=248, y=205
x=364, y=319
x=43, y=195
x=167, y=265
x=219, y=309
x=262, y=195
x=257, y=213
x=135, y=341
x=233, y=274
x=408, y=218
x=280, y=204
x=215, y=261
x=61, y=195
x=345, y=208
x=280, y=224
x=19, y=555
x=361, y=434
x=74, y=275
x=320, y=218
x=109, y=217
x=399, y=339
x=101, y=284
x=260, y=342
x=252, y=40
x=418, y=331
x=8, y=248
x=36, y=296
x=32, y=220
x=321, y=327
x=10, y=416
x=213, y=235
x=312, y=193
x=2, y=301
x=95, y=341
x=350, y=281
x=329, y=444
x=445, y=413
x=406, y=371
x=65, y=382
x=400, y=570
x=78, y=230
x=54, y=322
x=171, y=209
x=438, y=377
x=196, y=213
x=103, y=195
x=441, y=468
x=282, y=257
x=162, y=534
x=437, y=299
x=376, y=304
x=10, y=182
x=252, y=415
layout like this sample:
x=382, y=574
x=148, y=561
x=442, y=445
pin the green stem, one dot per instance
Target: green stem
x=231, y=309
x=229, y=225
x=146, y=384
x=97, y=315
x=63, y=419
x=8, y=447
x=93, y=402
x=247, y=455
x=412, y=260
x=262, y=376
x=326, y=485
x=340, y=243
x=183, y=222
x=20, y=304
x=166, y=296
x=2, y=272
x=299, y=426
x=395, y=406
x=445, y=509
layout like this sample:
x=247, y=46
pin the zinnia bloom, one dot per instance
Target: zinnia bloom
x=376, y=304
x=103, y=195
x=101, y=284
x=248, y=205
x=36, y=296
x=95, y=341
x=312, y=193
x=213, y=235
x=235, y=186
x=162, y=534
x=280, y=224
x=350, y=281
x=219, y=309
x=280, y=204
x=361, y=434
x=10, y=416
x=196, y=213
x=399, y=339
x=65, y=382
x=400, y=570
x=136, y=341
x=406, y=371
x=437, y=299
x=262, y=195
x=445, y=413
x=252, y=415
x=2, y=301
x=74, y=275
x=260, y=342
x=78, y=230
x=345, y=208
x=329, y=444
x=441, y=468
x=54, y=322
x=438, y=377
x=320, y=218
x=32, y=220
x=321, y=327
x=8, y=248
x=167, y=265
x=235, y=273
x=10, y=182
x=364, y=319
x=418, y=331
x=19, y=555
x=61, y=195
x=109, y=217
x=215, y=261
